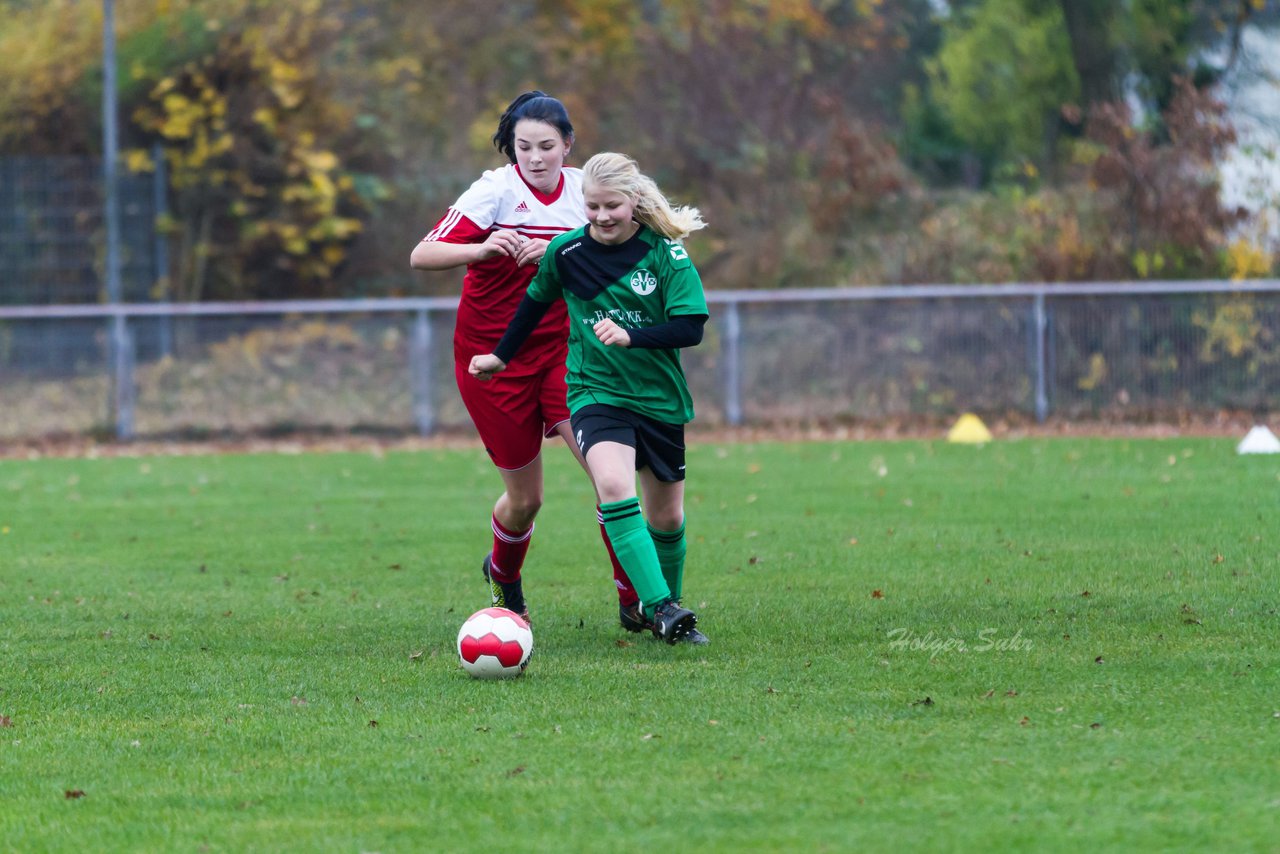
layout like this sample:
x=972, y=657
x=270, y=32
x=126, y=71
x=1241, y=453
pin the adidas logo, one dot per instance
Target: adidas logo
x=522, y=208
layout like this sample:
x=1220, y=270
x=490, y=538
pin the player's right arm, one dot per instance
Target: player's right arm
x=436, y=254
x=467, y=233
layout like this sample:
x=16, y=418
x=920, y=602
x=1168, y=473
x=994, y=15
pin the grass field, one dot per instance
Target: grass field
x=1042, y=644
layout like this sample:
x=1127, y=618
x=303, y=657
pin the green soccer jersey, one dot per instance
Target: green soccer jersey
x=642, y=282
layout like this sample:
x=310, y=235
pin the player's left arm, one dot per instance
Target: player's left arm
x=684, y=302
x=683, y=330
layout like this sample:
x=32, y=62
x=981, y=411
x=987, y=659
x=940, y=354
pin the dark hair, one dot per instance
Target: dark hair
x=531, y=105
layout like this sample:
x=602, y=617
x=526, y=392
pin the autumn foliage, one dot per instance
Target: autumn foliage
x=309, y=145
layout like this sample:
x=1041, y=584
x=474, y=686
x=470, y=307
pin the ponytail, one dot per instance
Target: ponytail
x=611, y=171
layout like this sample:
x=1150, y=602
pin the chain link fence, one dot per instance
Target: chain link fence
x=1136, y=351
x=70, y=365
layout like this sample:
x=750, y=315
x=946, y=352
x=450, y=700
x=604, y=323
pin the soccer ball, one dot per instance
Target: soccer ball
x=494, y=643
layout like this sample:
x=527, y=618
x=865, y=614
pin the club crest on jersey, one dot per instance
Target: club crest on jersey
x=643, y=282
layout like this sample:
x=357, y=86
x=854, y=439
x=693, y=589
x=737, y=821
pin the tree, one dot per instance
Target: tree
x=1002, y=78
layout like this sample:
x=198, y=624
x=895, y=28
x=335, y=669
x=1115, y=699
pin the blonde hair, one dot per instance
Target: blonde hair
x=612, y=171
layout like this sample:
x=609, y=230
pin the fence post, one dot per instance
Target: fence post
x=732, y=353
x=160, y=242
x=1041, y=327
x=420, y=366
x=125, y=393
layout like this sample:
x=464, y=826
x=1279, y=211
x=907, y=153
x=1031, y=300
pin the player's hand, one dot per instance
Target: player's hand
x=502, y=242
x=531, y=251
x=484, y=367
x=611, y=334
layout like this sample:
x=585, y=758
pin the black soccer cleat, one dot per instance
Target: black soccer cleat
x=633, y=619
x=509, y=596
x=695, y=638
x=672, y=623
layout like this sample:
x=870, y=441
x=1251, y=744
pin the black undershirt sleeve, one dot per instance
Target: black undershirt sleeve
x=683, y=330
x=529, y=313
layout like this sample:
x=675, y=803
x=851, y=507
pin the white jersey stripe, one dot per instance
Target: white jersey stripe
x=506, y=538
x=452, y=218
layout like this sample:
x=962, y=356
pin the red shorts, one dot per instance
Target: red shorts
x=514, y=414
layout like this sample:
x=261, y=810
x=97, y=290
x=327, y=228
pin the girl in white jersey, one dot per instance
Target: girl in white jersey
x=499, y=229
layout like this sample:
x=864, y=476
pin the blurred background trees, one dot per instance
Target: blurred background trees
x=308, y=145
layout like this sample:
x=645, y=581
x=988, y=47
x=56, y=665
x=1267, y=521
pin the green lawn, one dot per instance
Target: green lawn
x=1032, y=645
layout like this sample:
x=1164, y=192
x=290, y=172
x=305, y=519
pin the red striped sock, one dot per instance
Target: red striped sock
x=509, y=549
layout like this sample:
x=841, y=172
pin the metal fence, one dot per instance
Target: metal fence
x=1127, y=350
x=52, y=243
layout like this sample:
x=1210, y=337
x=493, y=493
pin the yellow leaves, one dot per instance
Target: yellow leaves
x=138, y=160
x=284, y=80
x=181, y=116
x=1145, y=264
x=322, y=161
x=267, y=118
x=1097, y=373
x=1246, y=260
x=1233, y=329
x=398, y=71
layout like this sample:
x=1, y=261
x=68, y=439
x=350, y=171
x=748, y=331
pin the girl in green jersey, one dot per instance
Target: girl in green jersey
x=634, y=300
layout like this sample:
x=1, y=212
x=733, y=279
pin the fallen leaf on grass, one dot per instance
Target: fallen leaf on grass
x=72, y=794
x=877, y=594
x=298, y=701
x=1025, y=721
x=519, y=769
x=373, y=724
x=927, y=701
x=649, y=736
x=6, y=721
x=622, y=643
x=414, y=656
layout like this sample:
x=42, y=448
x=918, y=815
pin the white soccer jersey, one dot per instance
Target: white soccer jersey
x=491, y=289
x=500, y=198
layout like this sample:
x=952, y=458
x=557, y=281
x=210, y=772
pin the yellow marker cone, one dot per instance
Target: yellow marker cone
x=969, y=430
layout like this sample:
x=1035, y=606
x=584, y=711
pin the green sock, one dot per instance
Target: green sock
x=671, y=550
x=629, y=534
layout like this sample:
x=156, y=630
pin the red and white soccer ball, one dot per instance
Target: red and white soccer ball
x=494, y=643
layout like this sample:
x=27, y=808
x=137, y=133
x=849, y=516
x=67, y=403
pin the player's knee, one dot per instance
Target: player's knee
x=525, y=507
x=615, y=488
x=666, y=518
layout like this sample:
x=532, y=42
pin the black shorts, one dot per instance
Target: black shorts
x=659, y=446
